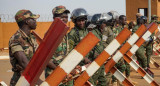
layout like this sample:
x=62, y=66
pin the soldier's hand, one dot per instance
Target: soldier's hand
x=19, y=68
x=74, y=72
x=87, y=61
x=39, y=82
x=79, y=68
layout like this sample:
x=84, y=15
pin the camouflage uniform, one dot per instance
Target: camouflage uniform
x=156, y=21
x=107, y=37
x=120, y=65
x=117, y=30
x=149, y=49
x=149, y=44
x=75, y=36
x=140, y=53
x=58, y=56
x=21, y=42
x=62, y=49
x=99, y=75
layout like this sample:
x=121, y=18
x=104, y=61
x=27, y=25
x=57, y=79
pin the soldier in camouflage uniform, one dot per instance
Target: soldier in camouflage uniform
x=131, y=25
x=149, y=44
x=121, y=64
x=79, y=17
x=122, y=24
x=62, y=50
x=140, y=53
x=103, y=22
x=99, y=75
x=105, y=32
x=107, y=37
x=154, y=18
x=22, y=45
x=62, y=13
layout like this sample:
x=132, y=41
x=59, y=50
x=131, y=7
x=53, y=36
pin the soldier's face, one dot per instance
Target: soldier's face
x=124, y=21
x=103, y=25
x=80, y=23
x=32, y=23
x=64, y=18
x=130, y=25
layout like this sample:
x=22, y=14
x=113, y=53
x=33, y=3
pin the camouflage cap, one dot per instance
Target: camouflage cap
x=24, y=14
x=60, y=9
x=154, y=16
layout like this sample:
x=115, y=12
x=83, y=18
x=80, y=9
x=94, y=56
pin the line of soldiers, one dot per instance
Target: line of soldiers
x=22, y=45
x=145, y=51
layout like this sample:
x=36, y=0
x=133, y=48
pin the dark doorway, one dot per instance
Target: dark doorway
x=143, y=11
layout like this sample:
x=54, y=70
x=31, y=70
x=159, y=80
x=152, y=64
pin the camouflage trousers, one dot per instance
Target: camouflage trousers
x=108, y=78
x=121, y=67
x=141, y=57
x=15, y=78
x=99, y=77
x=127, y=71
x=149, y=51
x=69, y=83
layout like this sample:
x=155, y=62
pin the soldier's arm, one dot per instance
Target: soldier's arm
x=22, y=59
x=134, y=29
x=71, y=40
x=18, y=52
x=110, y=36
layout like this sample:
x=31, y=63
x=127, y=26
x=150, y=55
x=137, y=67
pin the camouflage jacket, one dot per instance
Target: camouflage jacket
x=61, y=51
x=78, y=34
x=117, y=30
x=75, y=36
x=107, y=36
x=58, y=56
x=21, y=42
x=99, y=47
x=135, y=29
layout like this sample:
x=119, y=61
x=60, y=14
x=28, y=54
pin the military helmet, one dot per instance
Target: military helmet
x=114, y=14
x=100, y=17
x=143, y=17
x=154, y=16
x=79, y=13
x=95, y=18
x=89, y=17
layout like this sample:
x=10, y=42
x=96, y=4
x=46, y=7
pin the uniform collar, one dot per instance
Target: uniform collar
x=25, y=36
x=81, y=28
x=23, y=33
